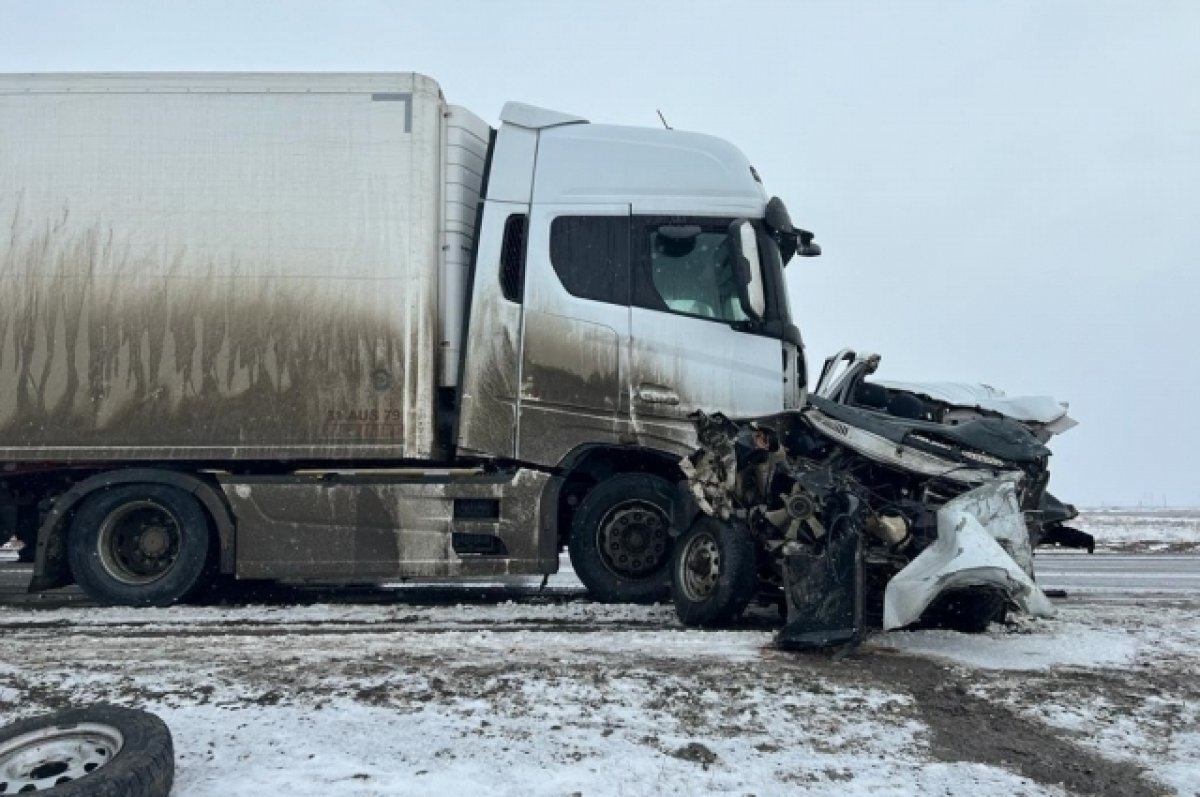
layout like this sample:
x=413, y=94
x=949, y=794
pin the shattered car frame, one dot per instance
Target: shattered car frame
x=843, y=380
x=853, y=516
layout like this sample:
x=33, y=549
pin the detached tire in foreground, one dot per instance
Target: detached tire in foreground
x=714, y=573
x=102, y=751
x=620, y=542
x=139, y=544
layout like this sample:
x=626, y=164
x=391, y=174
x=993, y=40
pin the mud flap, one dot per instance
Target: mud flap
x=825, y=592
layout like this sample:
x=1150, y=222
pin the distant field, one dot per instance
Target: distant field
x=1143, y=529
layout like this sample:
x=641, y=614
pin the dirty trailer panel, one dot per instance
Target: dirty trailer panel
x=219, y=266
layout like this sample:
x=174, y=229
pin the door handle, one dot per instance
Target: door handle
x=657, y=394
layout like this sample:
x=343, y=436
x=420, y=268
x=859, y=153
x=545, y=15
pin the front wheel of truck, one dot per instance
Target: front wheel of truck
x=138, y=545
x=620, y=542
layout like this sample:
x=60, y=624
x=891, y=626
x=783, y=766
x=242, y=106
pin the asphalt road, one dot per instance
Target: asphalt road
x=1120, y=574
x=1082, y=576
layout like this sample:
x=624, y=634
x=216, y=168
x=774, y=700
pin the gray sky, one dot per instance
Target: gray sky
x=1006, y=192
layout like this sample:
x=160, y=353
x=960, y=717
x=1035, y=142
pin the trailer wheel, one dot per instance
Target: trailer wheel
x=101, y=751
x=714, y=573
x=139, y=545
x=620, y=542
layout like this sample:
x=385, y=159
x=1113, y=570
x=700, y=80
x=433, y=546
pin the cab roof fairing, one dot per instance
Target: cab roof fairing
x=662, y=172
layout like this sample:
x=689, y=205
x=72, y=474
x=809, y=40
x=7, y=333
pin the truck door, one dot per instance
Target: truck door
x=691, y=345
x=575, y=329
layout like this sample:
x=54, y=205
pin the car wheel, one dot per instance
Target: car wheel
x=714, y=573
x=101, y=751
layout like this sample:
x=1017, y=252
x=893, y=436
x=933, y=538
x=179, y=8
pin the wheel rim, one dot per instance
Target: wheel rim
x=632, y=539
x=49, y=757
x=139, y=542
x=701, y=558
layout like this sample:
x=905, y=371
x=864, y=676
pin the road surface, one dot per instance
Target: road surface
x=1083, y=577
x=1120, y=574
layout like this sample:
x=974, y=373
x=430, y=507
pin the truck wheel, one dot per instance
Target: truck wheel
x=138, y=545
x=621, y=539
x=714, y=573
x=102, y=751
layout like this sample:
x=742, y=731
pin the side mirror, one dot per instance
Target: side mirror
x=747, y=268
x=777, y=217
x=808, y=247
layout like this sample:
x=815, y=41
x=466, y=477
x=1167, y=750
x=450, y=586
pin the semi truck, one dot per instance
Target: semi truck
x=332, y=328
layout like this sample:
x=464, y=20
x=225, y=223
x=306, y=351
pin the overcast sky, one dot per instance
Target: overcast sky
x=1006, y=192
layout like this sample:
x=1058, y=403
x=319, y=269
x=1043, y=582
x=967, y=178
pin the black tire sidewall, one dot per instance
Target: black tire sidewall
x=586, y=558
x=143, y=767
x=176, y=583
x=737, y=581
x=965, y=611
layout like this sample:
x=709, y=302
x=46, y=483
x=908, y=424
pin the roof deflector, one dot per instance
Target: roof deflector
x=535, y=118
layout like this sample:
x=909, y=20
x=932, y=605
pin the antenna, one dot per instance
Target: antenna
x=663, y=118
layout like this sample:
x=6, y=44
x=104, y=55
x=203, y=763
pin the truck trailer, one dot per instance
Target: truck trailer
x=332, y=328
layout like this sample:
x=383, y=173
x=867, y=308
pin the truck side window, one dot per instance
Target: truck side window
x=685, y=266
x=512, y=258
x=590, y=254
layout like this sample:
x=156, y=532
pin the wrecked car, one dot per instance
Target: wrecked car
x=844, y=380
x=852, y=515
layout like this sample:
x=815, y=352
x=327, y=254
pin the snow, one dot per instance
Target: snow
x=555, y=699
x=1144, y=529
x=1035, y=650
x=1134, y=663
x=543, y=696
x=507, y=699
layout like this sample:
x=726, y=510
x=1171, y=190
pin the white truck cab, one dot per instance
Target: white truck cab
x=605, y=306
x=625, y=278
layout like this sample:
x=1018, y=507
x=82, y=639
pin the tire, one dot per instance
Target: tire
x=101, y=751
x=139, y=545
x=969, y=611
x=714, y=573
x=620, y=541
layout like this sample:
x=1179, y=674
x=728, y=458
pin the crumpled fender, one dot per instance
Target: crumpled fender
x=982, y=542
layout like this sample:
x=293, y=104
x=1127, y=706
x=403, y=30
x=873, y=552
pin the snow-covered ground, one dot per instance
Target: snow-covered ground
x=560, y=696
x=1141, y=529
x=569, y=698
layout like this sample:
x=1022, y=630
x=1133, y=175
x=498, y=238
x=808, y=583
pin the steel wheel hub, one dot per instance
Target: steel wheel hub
x=701, y=567
x=49, y=757
x=138, y=542
x=633, y=539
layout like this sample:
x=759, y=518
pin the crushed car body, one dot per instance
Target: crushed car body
x=844, y=380
x=853, y=516
x=982, y=546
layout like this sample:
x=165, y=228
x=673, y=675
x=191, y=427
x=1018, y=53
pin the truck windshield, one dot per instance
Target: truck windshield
x=694, y=275
x=685, y=266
